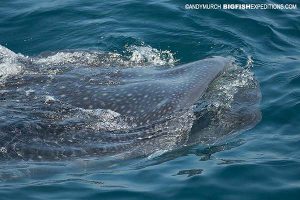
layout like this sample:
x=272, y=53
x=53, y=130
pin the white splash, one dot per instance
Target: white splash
x=49, y=99
x=151, y=56
x=62, y=58
x=221, y=93
x=132, y=56
x=9, y=64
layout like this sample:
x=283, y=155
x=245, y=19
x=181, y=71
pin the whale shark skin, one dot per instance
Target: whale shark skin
x=143, y=94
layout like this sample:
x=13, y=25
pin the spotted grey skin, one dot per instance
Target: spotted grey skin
x=42, y=118
x=145, y=95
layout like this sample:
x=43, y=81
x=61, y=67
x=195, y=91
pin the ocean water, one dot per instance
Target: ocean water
x=260, y=161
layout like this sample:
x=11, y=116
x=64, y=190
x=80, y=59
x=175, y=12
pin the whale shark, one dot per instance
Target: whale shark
x=71, y=110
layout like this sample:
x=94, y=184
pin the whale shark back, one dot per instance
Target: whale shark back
x=145, y=95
